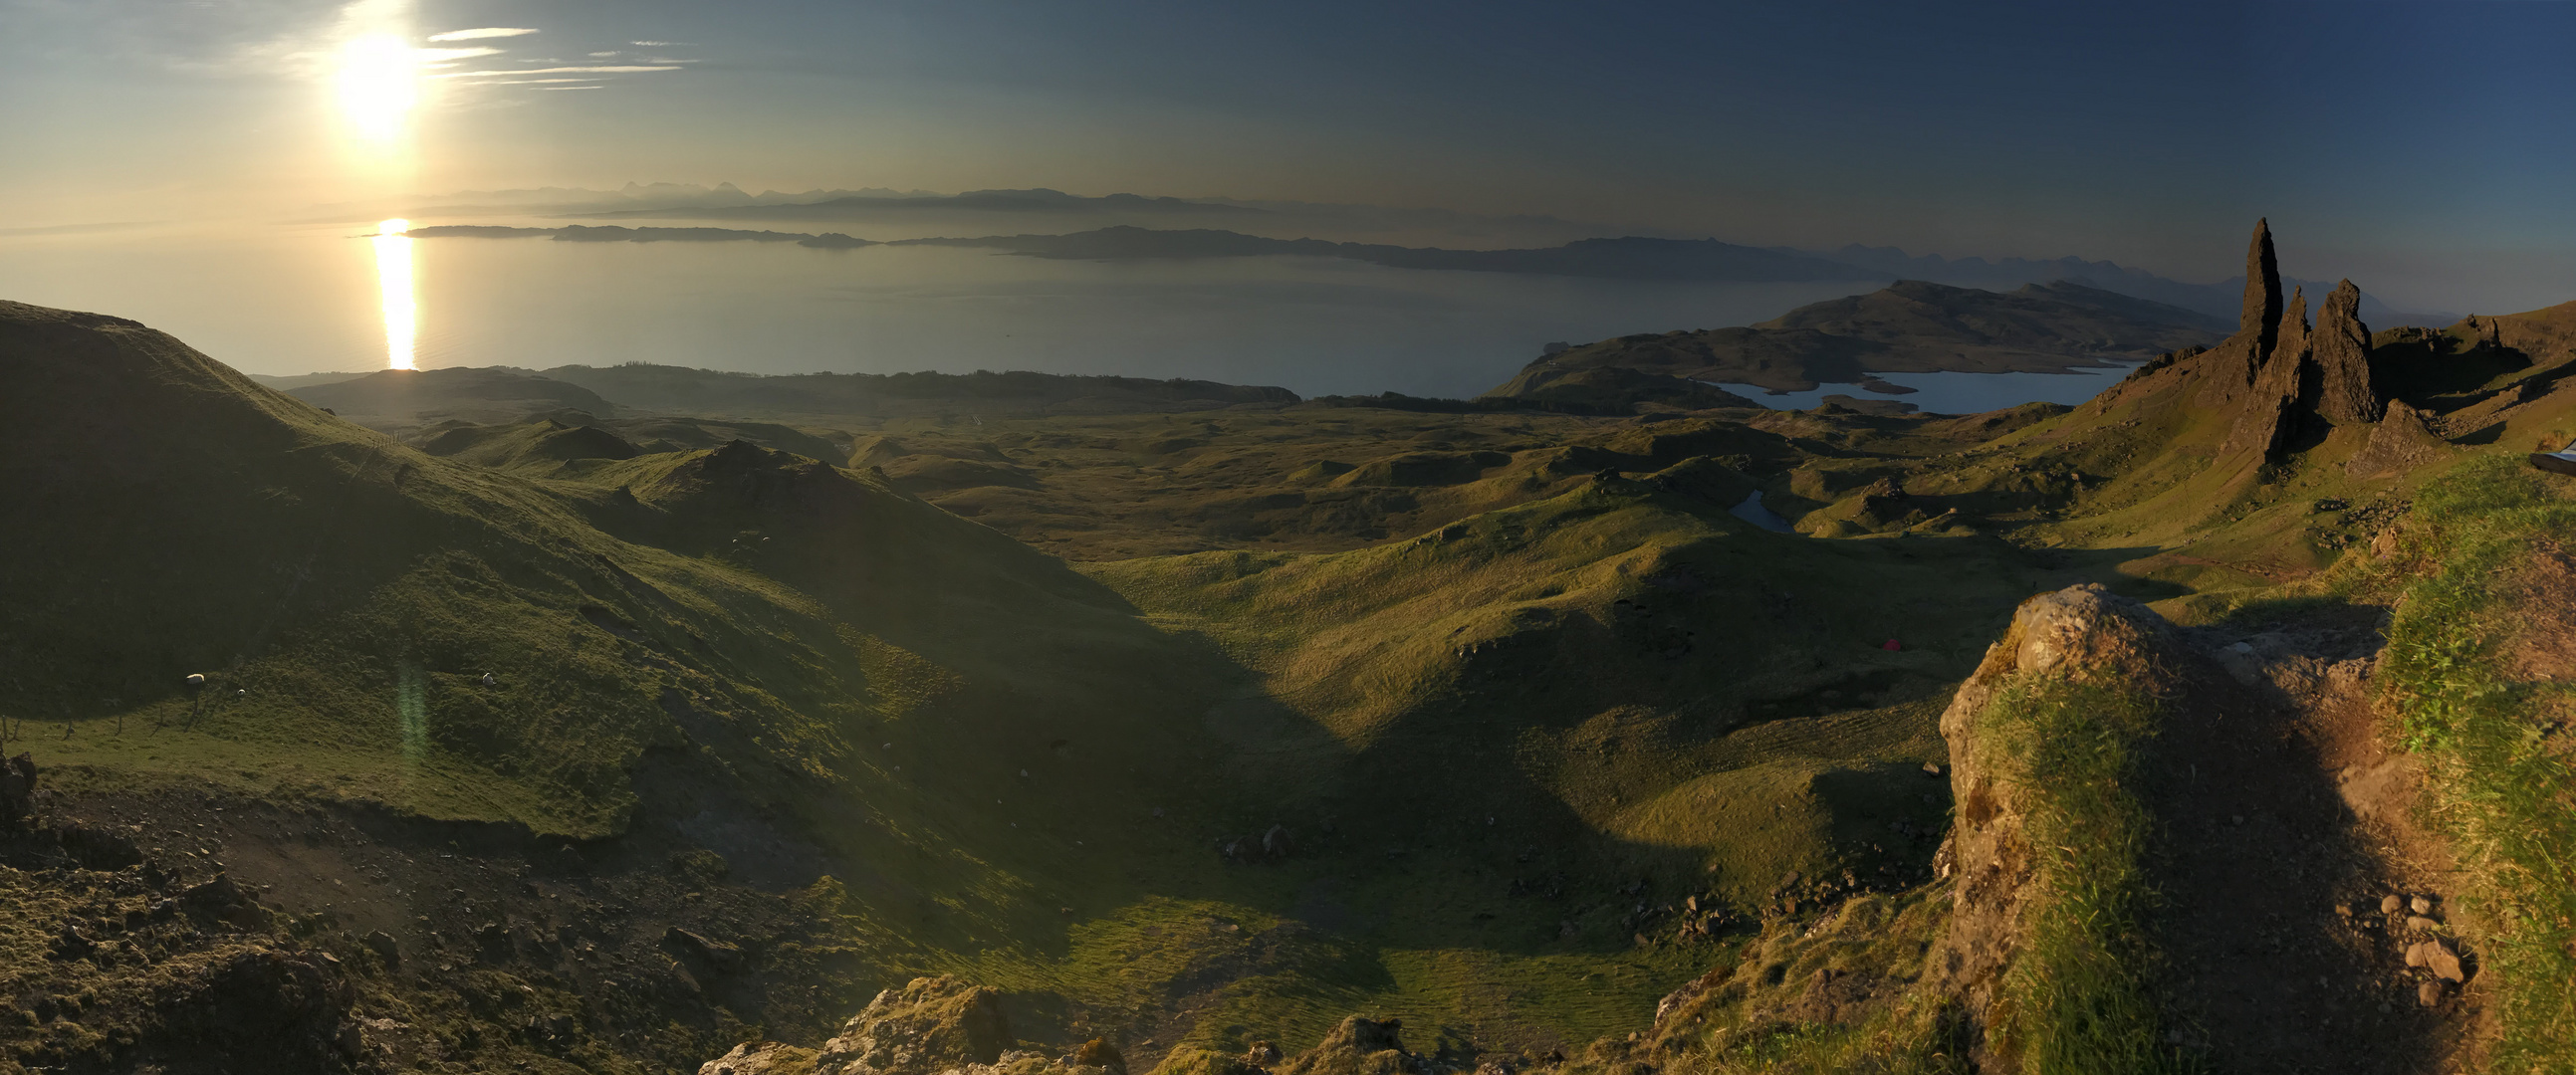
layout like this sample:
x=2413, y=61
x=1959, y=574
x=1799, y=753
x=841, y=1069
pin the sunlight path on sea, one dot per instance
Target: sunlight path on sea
x=401, y=299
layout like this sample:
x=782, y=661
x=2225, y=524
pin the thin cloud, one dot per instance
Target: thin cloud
x=447, y=55
x=601, y=55
x=609, y=69
x=481, y=32
x=658, y=44
x=77, y=229
x=549, y=89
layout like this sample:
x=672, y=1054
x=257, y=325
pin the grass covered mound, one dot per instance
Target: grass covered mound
x=2481, y=656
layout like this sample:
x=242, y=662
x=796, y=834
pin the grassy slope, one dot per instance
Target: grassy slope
x=1631, y=685
x=970, y=730
x=2476, y=677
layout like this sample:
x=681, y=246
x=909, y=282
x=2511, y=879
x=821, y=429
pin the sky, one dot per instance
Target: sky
x=2422, y=146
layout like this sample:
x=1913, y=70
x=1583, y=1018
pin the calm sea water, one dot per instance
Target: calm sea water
x=290, y=300
x=1955, y=393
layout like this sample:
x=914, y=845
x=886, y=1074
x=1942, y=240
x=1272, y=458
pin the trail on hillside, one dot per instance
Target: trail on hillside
x=2298, y=880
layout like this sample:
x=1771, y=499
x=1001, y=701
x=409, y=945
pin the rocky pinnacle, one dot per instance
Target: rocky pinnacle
x=2262, y=317
x=2340, y=347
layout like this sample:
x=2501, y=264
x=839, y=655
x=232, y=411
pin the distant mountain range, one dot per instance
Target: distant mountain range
x=1626, y=258
x=866, y=205
x=2221, y=299
x=404, y=399
x=1630, y=258
x=1910, y=327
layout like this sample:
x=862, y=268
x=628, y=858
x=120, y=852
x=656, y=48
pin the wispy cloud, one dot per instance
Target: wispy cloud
x=603, y=69
x=481, y=32
x=76, y=229
x=657, y=44
x=546, y=89
x=434, y=56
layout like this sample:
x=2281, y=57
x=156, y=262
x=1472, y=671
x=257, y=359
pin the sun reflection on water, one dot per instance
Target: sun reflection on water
x=401, y=306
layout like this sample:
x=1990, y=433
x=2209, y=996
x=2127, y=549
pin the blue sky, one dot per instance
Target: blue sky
x=2422, y=145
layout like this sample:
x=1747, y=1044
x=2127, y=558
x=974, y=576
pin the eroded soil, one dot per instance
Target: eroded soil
x=2290, y=828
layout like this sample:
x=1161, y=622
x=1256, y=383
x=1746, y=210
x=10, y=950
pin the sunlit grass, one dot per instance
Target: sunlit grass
x=2501, y=779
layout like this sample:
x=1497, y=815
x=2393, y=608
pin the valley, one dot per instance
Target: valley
x=609, y=719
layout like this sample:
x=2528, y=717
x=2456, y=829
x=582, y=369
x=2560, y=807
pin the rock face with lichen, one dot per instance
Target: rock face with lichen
x=931, y=1026
x=2086, y=631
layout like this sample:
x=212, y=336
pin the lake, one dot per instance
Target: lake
x=1955, y=393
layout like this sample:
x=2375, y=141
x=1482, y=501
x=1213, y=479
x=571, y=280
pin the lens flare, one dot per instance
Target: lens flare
x=379, y=83
x=402, y=309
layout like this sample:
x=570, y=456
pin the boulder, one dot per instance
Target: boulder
x=2401, y=441
x=1192, y=1060
x=2088, y=632
x=265, y=1010
x=17, y=788
x=763, y=1058
x=931, y=1025
x=1358, y=1047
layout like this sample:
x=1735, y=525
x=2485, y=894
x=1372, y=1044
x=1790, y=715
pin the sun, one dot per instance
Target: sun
x=379, y=83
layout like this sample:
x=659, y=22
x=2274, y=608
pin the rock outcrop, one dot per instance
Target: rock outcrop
x=2340, y=351
x=931, y=1026
x=2294, y=380
x=2401, y=441
x=17, y=788
x=2088, y=633
x=1358, y=1047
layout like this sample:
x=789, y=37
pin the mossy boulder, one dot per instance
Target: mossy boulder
x=1358, y=1047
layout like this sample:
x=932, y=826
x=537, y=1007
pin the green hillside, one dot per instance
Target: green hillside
x=607, y=742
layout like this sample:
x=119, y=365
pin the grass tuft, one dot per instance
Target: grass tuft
x=2081, y=998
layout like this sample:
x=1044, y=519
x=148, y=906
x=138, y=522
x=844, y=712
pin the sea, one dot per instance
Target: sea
x=296, y=299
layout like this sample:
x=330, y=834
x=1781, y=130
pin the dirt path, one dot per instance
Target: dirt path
x=2290, y=828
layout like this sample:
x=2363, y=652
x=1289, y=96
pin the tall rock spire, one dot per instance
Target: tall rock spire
x=2262, y=317
x=2272, y=407
x=2340, y=349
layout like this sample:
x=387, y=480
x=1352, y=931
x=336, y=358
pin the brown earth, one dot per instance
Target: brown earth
x=2285, y=823
x=2290, y=826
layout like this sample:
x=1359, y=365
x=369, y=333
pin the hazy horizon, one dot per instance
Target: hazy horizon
x=2401, y=145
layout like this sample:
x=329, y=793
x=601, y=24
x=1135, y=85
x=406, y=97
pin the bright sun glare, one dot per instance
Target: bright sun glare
x=402, y=310
x=378, y=85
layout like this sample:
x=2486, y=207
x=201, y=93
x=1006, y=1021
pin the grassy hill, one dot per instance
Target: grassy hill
x=1211, y=729
x=784, y=707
